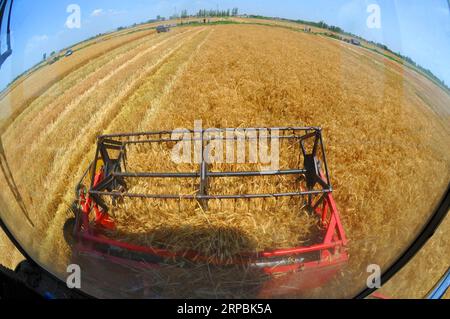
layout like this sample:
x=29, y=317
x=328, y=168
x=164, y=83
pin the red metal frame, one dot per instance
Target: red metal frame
x=301, y=275
x=87, y=204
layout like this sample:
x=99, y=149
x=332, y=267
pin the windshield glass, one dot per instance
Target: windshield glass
x=203, y=149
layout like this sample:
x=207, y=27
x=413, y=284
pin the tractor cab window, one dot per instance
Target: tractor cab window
x=233, y=150
x=5, y=30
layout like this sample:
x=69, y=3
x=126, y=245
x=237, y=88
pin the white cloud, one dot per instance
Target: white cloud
x=97, y=12
x=109, y=12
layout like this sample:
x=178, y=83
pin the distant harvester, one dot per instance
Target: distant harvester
x=162, y=28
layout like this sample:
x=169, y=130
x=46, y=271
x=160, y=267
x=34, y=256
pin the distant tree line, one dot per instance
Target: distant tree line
x=204, y=13
x=322, y=25
x=217, y=13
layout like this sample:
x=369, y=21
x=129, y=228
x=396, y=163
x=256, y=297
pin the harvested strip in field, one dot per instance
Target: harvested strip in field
x=156, y=86
x=120, y=80
x=54, y=112
x=48, y=106
x=123, y=81
x=32, y=85
x=149, y=116
x=58, y=204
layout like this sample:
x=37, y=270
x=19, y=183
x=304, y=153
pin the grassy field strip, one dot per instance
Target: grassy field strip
x=111, y=70
x=48, y=106
x=63, y=193
x=56, y=150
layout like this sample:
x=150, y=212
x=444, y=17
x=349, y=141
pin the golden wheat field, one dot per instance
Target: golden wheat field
x=386, y=132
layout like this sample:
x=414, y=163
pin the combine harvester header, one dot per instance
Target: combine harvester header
x=305, y=267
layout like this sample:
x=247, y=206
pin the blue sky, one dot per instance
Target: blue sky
x=416, y=28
